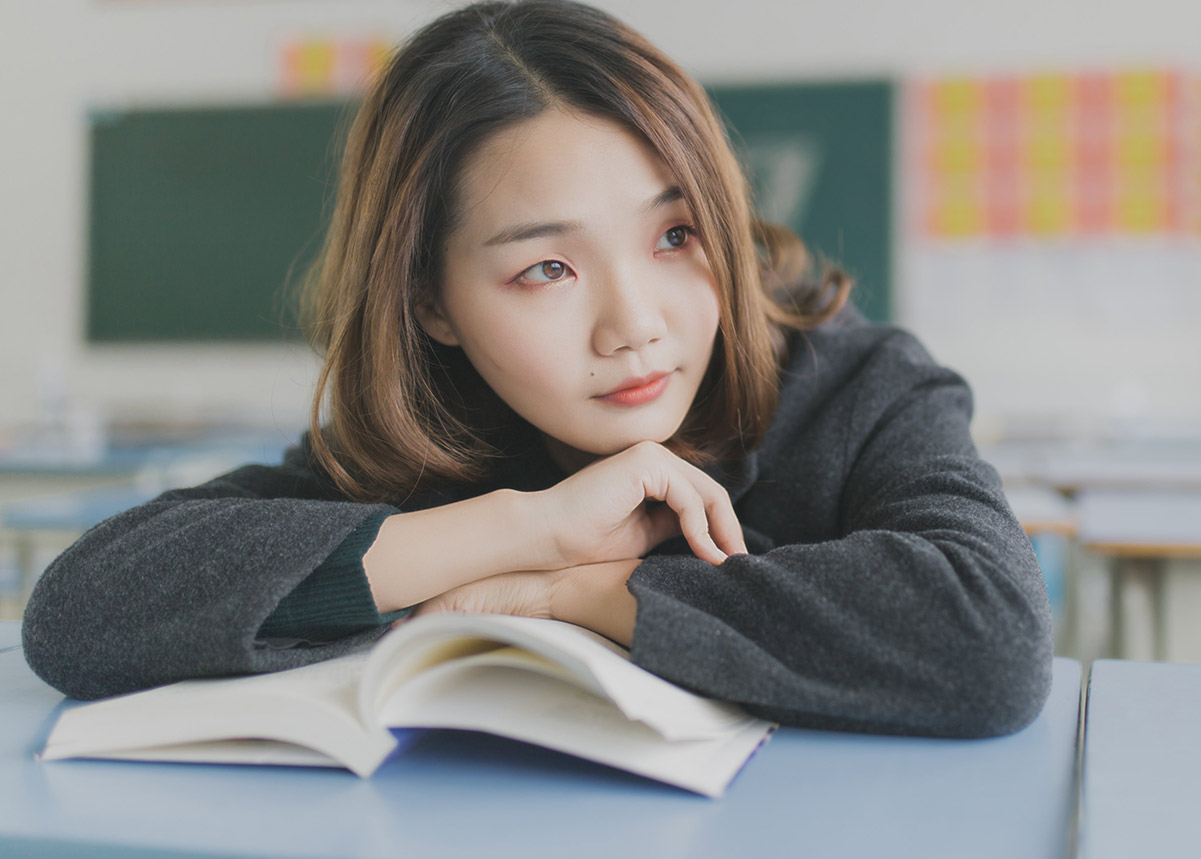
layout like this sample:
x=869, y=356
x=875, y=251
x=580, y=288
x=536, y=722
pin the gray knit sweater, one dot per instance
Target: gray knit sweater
x=888, y=586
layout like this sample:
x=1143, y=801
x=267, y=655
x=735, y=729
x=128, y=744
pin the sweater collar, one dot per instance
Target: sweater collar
x=737, y=476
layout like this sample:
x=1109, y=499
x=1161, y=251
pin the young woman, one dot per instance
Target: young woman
x=569, y=375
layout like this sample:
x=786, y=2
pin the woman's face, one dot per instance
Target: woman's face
x=575, y=285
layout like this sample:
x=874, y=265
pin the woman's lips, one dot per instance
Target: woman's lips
x=636, y=392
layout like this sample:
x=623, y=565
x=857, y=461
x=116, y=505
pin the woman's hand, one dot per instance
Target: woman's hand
x=615, y=510
x=525, y=594
x=593, y=596
x=608, y=511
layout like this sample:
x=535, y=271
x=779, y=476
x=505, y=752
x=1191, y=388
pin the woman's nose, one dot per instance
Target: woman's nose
x=628, y=315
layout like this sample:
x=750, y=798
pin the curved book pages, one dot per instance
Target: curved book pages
x=539, y=681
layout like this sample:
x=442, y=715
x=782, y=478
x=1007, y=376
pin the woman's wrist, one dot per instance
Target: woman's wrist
x=421, y=554
x=595, y=596
x=546, y=547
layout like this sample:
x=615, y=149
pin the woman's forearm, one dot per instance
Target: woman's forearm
x=593, y=596
x=424, y=553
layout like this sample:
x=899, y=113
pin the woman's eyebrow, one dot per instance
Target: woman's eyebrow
x=542, y=229
x=521, y=232
x=667, y=195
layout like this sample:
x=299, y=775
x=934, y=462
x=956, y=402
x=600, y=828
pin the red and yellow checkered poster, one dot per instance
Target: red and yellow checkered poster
x=330, y=67
x=1055, y=155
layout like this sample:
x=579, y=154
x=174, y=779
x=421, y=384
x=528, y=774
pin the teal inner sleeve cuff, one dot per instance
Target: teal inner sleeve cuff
x=334, y=601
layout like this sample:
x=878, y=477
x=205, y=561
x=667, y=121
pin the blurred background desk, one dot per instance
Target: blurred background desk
x=1117, y=527
x=40, y=528
x=454, y=794
x=1072, y=465
x=1139, y=532
x=49, y=498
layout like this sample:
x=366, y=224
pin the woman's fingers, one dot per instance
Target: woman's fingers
x=601, y=512
x=724, y=525
x=715, y=525
x=689, y=505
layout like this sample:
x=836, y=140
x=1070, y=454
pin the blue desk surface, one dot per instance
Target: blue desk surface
x=1141, y=791
x=449, y=794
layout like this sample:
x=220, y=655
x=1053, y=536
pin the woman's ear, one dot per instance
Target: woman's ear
x=436, y=325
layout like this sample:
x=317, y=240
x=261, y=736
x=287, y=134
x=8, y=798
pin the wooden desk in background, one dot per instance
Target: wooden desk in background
x=47, y=501
x=1136, y=505
x=1074, y=466
x=1139, y=531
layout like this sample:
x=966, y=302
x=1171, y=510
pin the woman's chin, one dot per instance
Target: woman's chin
x=581, y=451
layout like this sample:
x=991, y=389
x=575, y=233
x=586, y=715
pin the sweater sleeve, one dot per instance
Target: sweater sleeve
x=922, y=611
x=180, y=586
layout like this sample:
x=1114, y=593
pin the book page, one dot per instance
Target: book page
x=512, y=694
x=538, y=681
x=313, y=706
x=591, y=661
x=251, y=752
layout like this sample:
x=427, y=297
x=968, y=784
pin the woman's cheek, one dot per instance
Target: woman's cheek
x=698, y=305
x=528, y=356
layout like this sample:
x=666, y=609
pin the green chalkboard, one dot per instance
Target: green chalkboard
x=820, y=161
x=197, y=217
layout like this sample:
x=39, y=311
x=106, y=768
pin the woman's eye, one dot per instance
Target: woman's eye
x=674, y=238
x=547, y=271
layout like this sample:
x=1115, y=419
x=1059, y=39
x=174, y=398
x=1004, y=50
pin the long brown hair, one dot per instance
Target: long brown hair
x=405, y=412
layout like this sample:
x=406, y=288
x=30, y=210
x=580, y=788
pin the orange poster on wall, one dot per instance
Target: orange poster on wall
x=329, y=67
x=1055, y=155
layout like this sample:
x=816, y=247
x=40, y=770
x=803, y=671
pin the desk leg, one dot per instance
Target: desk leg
x=1137, y=626
x=1117, y=628
x=1157, y=569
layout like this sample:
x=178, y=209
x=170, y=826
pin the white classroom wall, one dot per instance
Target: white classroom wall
x=1027, y=357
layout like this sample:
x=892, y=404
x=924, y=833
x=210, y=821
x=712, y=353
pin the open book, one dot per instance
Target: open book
x=540, y=681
